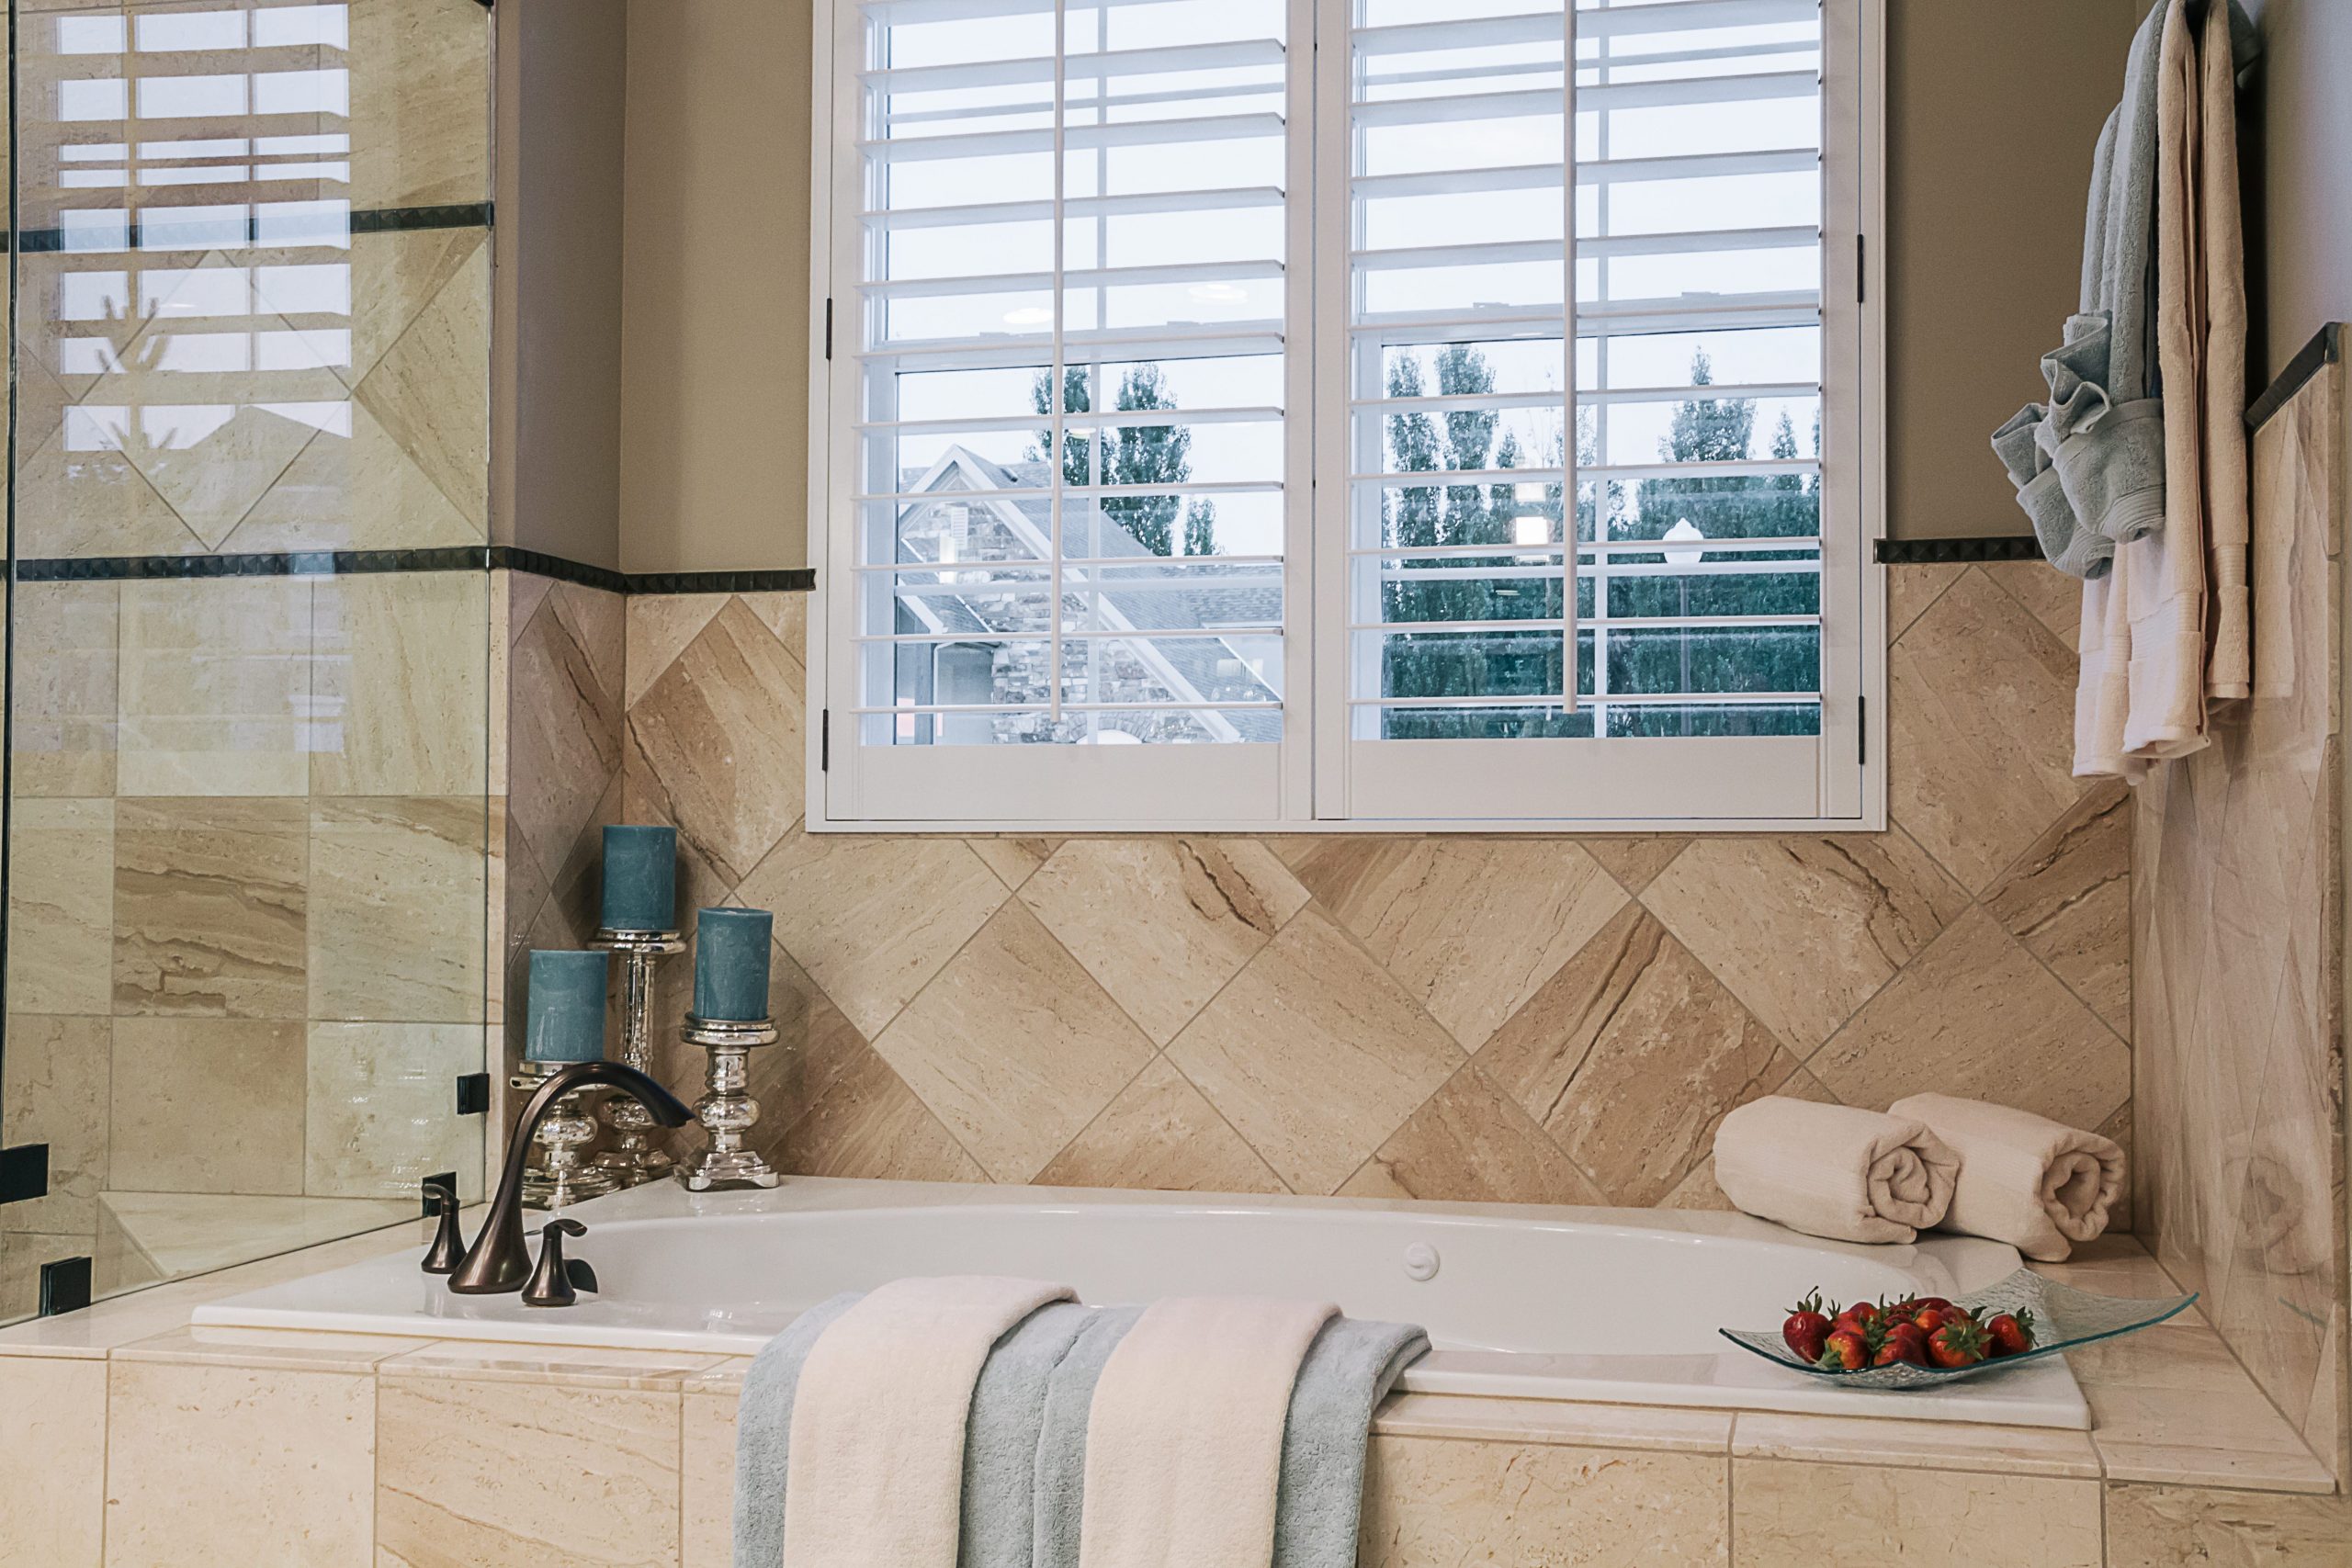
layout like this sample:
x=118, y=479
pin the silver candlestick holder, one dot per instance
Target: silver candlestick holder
x=632, y=1159
x=725, y=1112
x=561, y=1174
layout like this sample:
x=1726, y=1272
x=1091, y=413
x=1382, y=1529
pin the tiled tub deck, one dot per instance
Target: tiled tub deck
x=134, y=1441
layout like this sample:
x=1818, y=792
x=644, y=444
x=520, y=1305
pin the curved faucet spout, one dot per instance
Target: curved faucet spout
x=499, y=1260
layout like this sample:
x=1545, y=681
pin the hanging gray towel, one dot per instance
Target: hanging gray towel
x=2101, y=432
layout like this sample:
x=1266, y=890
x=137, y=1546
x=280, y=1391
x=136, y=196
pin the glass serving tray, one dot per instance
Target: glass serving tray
x=2063, y=1318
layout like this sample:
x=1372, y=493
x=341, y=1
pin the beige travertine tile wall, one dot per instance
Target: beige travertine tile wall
x=248, y=924
x=2237, y=916
x=1521, y=1019
x=561, y=724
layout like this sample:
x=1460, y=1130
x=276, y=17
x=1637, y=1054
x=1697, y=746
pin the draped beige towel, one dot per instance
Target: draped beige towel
x=875, y=1474
x=2039, y=1185
x=2167, y=632
x=1185, y=1438
x=1834, y=1170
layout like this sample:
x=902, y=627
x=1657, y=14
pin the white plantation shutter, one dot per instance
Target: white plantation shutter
x=1683, y=677
x=1238, y=413
x=1070, y=359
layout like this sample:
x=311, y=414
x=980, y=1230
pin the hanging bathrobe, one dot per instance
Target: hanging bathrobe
x=2166, y=630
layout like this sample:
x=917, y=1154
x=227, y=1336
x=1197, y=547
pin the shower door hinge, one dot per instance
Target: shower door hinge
x=828, y=327
x=1861, y=268
x=825, y=741
x=1861, y=731
x=24, y=1173
x=64, y=1286
x=473, y=1094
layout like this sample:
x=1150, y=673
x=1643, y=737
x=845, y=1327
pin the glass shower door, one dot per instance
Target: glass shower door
x=249, y=824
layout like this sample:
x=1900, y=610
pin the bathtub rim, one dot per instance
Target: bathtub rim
x=2044, y=1394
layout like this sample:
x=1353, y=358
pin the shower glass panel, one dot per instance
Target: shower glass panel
x=249, y=766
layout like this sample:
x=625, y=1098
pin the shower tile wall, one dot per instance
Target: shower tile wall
x=249, y=843
x=2238, y=921
x=1523, y=1019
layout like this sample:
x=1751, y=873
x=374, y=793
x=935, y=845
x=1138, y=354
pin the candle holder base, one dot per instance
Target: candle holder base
x=725, y=1112
x=562, y=1173
x=632, y=1160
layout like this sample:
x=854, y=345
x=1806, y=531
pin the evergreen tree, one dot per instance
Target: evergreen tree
x=1146, y=456
x=1721, y=506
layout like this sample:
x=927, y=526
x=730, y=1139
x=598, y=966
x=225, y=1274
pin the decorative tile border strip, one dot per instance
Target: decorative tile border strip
x=2325, y=349
x=454, y=558
x=360, y=221
x=1923, y=552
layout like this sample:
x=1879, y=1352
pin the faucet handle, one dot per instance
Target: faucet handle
x=551, y=1281
x=448, y=1240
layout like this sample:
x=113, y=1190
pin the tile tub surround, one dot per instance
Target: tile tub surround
x=2237, y=921
x=422, y=1451
x=1550, y=1020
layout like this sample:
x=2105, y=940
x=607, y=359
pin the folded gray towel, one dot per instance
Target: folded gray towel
x=2105, y=365
x=2073, y=550
x=2113, y=473
x=1348, y=1371
x=764, y=1432
x=1000, y=1443
x=1061, y=1438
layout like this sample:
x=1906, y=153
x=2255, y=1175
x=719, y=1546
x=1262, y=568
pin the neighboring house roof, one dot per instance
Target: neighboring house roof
x=1189, y=669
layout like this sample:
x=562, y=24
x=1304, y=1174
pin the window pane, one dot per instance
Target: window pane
x=1071, y=328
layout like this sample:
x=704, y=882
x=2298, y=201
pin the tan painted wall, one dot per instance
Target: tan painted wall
x=556, y=360
x=1993, y=107
x=714, y=398
x=2295, y=175
x=1989, y=140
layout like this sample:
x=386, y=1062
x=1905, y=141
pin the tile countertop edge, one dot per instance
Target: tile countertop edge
x=152, y=1326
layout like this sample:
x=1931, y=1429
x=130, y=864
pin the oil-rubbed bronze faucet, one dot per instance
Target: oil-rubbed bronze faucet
x=499, y=1260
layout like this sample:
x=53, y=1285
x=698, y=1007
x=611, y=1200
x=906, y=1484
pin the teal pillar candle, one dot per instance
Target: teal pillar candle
x=566, y=1022
x=640, y=879
x=731, y=964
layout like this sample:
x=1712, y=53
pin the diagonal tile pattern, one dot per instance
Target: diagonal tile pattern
x=715, y=744
x=1980, y=734
x=1163, y=923
x=1472, y=927
x=1524, y=1020
x=1804, y=929
x=1631, y=1055
x=1013, y=1046
x=1315, y=1053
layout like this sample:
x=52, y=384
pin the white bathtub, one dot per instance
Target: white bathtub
x=1614, y=1305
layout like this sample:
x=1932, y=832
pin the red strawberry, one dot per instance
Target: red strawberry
x=2010, y=1334
x=1956, y=1345
x=1807, y=1328
x=1856, y=1319
x=1929, y=1302
x=1844, y=1352
x=1910, y=1347
x=1928, y=1319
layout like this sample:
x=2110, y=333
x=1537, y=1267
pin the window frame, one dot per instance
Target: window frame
x=1307, y=777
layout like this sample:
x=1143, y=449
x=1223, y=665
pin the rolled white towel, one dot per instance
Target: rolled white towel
x=2039, y=1185
x=1834, y=1170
